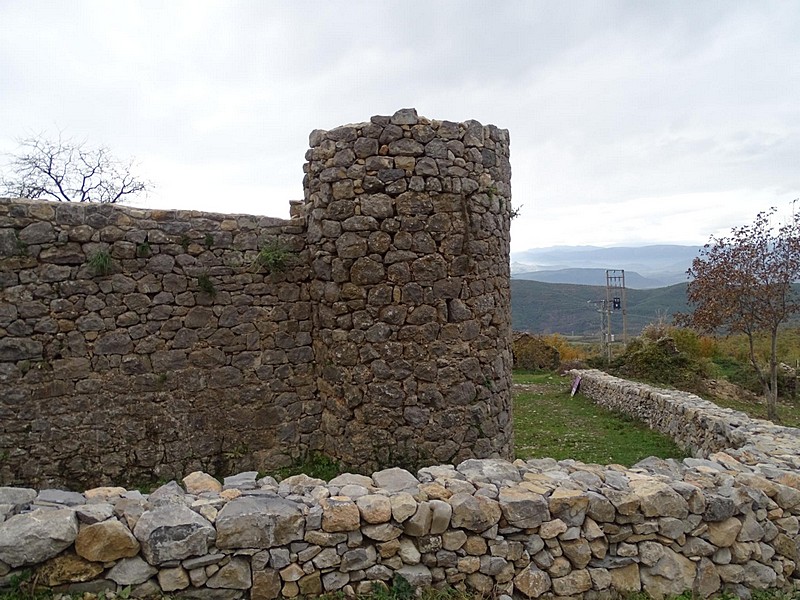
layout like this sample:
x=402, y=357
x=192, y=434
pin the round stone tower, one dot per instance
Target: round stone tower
x=408, y=229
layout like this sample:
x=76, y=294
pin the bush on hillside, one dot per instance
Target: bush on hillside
x=741, y=373
x=568, y=352
x=687, y=340
x=532, y=353
x=659, y=361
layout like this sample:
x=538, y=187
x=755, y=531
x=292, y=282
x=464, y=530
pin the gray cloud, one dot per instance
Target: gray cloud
x=689, y=110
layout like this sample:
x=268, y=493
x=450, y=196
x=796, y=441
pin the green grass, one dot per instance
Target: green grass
x=400, y=589
x=100, y=263
x=550, y=423
x=315, y=465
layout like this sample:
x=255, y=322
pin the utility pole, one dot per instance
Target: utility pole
x=601, y=309
x=616, y=300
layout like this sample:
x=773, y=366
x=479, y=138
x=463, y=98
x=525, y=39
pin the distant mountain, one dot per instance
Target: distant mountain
x=589, y=277
x=569, y=309
x=649, y=266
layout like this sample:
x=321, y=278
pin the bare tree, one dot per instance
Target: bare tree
x=68, y=171
x=744, y=284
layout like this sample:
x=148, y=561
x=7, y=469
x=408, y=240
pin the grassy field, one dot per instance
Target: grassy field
x=550, y=423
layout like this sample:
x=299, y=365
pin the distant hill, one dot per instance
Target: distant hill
x=649, y=266
x=567, y=308
x=589, y=277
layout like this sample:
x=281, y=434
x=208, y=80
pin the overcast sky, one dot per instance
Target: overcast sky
x=631, y=122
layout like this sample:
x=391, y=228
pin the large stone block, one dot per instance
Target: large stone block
x=34, y=537
x=474, y=513
x=523, y=508
x=259, y=522
x=106, y=541
x=173, y=532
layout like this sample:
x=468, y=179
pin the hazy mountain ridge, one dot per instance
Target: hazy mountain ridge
x=645, y=266
x=591, y=277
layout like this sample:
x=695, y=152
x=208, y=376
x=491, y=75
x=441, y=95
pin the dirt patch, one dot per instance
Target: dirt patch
x=531, y=388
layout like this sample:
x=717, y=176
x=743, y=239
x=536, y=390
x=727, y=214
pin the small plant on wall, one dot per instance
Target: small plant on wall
x=206, y=285
x=143, y=250
x=274, y=257
x=22, y=247
x=100, y=263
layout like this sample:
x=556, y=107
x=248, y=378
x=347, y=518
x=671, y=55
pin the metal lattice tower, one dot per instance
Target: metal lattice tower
x=616, y=301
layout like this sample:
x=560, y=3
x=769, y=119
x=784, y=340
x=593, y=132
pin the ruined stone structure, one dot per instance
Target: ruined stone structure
x=373, y=326
x=408, y=230
x=726, y=520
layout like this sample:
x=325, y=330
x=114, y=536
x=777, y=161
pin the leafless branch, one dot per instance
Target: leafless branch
x=68, y=171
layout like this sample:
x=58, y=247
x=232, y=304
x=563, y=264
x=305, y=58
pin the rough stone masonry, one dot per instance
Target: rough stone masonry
x=724, y=521
x=373, y=326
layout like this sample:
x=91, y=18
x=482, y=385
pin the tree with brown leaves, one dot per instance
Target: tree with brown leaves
x=744, y=283
x=68, y=171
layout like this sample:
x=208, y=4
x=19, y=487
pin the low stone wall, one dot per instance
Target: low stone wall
x=728, y=520
x=699, y=426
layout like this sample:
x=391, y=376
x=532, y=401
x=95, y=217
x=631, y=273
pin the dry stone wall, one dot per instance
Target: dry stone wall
x=186, y=355
x=408, y=226
x=372, y=326
x=724, y=521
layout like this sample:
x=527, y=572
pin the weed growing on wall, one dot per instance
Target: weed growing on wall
x=143, y=250
x=274, y=257
x=22, y=247
x=100, y=263
x=206, y=285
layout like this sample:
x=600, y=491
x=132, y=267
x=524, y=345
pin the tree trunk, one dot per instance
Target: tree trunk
x=764, y=378
x=772, y=391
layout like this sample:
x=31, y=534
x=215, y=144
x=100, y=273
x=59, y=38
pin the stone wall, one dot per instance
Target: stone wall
x=139, y=373
x=536, y=528
x=698, y=426
x=373, y=326
x=409, y=232
x=726, y=520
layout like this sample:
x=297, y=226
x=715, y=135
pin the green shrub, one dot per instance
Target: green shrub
x=532, y=353
x=659, y=361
